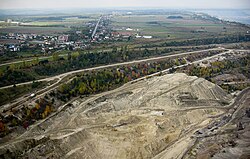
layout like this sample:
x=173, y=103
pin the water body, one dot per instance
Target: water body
x=242, y=16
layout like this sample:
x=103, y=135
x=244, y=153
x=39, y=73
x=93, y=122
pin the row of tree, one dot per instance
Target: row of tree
x=27, y=71
x=98, y=81
x=203, y=41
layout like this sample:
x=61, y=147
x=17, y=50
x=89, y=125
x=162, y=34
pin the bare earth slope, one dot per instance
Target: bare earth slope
x=151, y=118
x=230, y=140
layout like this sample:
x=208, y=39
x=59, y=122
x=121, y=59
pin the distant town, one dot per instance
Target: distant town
x=98, y=32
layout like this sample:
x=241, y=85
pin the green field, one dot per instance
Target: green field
x=51, y=24
x=159, y=26
x=67, y=22
x=34, y=30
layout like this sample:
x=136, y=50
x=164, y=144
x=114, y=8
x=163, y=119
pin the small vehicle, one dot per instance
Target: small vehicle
x=32, y=95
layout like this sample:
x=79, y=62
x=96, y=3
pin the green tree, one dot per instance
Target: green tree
x=12, y=67
x=37, y=61
x=55, y=57
x=24, y=64
x=69, y=56
x=82, y=88
x=93, y=85
x=75, y=55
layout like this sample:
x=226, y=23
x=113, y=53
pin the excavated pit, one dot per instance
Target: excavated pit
x=138, y=120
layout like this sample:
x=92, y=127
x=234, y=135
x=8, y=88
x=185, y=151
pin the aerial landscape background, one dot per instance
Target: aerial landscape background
x=125, y=79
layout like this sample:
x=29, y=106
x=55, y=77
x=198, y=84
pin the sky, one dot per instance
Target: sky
x=176, y=4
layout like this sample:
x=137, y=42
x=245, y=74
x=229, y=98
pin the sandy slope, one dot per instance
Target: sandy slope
x=150, y=118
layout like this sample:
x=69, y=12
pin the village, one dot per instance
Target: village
x=98, y=32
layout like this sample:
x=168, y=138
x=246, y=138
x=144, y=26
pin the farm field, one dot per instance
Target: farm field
x=160, y=26
x=66, y=22
x=34, y=30
x=51, y=24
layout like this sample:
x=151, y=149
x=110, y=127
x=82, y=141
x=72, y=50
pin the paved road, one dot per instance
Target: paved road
x=61, y=76
x=93, y=34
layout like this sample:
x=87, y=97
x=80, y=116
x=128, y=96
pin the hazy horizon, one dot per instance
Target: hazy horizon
x=63, y=4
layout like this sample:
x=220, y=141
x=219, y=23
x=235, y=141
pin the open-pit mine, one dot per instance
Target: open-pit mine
x=169, y=116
